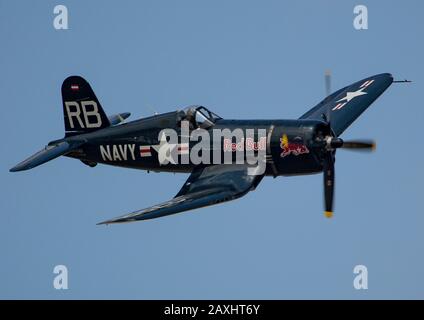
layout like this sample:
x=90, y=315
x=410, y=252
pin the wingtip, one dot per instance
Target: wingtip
x=114, y=221
x=106, y=222
x=17, y=168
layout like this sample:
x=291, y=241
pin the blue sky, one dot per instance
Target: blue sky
x=242, y=59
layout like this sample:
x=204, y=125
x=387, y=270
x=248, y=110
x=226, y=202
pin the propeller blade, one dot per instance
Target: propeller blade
x=327, y=77
x=328, y=184
x=360, y=145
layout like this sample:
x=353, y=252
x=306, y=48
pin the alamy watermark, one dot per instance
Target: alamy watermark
x=60, y=21
x=360, y=22
x=360, y=282
x=213, y=146
x=60, y=281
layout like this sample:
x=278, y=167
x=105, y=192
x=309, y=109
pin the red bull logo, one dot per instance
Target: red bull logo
x=294, y=148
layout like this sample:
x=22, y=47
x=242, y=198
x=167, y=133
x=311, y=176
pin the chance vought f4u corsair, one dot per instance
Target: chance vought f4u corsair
x=225, y=158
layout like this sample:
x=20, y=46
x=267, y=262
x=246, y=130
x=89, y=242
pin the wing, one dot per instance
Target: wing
x=347, y=104
x=206, y=186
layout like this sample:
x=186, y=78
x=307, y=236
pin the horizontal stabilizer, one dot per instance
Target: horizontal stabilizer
x=47, y=154
x=118, y=118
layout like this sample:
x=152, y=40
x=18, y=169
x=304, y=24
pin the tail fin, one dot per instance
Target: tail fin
x=81, y=109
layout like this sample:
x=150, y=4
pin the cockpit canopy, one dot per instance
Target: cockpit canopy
x=200, y=117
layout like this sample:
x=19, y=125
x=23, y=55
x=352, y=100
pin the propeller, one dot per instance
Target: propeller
x=329, y=144
x=360, y=145
x=329, y=171
x=327, y=78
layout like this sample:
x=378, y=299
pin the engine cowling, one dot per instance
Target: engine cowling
x=293, y=146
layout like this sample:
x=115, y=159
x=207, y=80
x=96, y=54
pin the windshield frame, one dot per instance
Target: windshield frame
x=212, y=117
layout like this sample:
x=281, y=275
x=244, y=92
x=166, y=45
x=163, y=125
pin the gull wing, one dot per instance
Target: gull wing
x=205, y=186
x=347, y=104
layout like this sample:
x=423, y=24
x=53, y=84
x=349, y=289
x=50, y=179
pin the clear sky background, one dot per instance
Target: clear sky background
x=241, y=59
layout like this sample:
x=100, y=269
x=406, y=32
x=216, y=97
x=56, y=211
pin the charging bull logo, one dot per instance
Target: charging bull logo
x=295, y=148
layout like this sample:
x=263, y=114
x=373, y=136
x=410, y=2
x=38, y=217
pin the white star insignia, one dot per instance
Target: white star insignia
x=165, y=151
x=351, y=95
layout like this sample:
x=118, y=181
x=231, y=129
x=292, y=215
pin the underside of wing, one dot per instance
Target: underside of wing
x=206, y=186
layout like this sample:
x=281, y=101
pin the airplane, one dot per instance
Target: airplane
x=306, y=145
